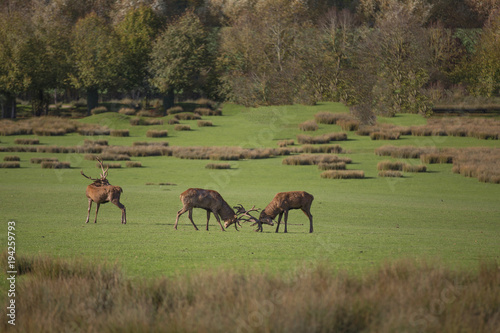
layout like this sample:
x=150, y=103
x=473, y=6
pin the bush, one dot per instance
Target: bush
x=348, y=125
x=343, y=174
x=390, y=165
x=98, y=110
x=182, y=128
x=332, y=166
x=384, y=135
x=311, y=149
x=204, y=123
x=285, y=143
x=38, y=160
x=87, y=142
x=11, y=158
x=55, y=165
x=326, y=117
x=109, y=165
x=145, y=122
x=175, y=110
x=127, y=111
x=306, y=159
x=157, y=133
x=434, y=158
x=325, y=138
x=120, y=133
x=309, y=125
x=173, y=121
x=414, y=168
x=187, y=116
x=207, y=112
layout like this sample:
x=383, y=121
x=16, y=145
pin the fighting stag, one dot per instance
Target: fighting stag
x=245, y=216
x=101, y=191
x=209, y=200
x=285, y=201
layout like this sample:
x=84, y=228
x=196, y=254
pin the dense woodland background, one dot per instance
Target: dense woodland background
x=380, y=57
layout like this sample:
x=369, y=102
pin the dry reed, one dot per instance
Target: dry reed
x=343, y=174
x=218, y=166
x=10, y=165
x=309, y=125
x=157, y=133
x=11, y=158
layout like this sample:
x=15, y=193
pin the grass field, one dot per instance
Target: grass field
x=358, y=223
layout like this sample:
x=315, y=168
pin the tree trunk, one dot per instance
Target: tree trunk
x=168, y=101
x=92, y=99
x=40, y=105
x=9, y=106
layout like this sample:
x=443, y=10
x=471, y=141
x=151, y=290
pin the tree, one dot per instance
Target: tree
x=136, y=32
x=178, y=58
x=97, y=57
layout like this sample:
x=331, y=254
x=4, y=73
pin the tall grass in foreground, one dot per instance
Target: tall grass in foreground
x=397, y=297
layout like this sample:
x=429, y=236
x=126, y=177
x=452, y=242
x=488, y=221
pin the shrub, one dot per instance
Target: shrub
x=147, y=113
x=384, y=135
x=98, y=110
x=38, y=160
x=414, y=168
x=11, y=158
x=182, y=128
x=285, y=143
x=120, y=133
x=133, y=164
x=115, y=157
x=218, y=166
x=10, y=165
x=309, y=125
x=390, y=165
x=157, y=134
x=145, y=122
x=127, y=111
x=306, y=159
x=93, y=130
x=173, y=121
x=326, y=117
x=95, y=142
x=404, y=151
x=109, y=165
x=204, y=123
x=325, y=138
x=343, y=174
x=311, y=149
x=390, y=173
x=207, y=112
x=332, y=166
x=144, y=143
x=26, y=141
x=348, y=125
x=55, y=165
x=436, y=158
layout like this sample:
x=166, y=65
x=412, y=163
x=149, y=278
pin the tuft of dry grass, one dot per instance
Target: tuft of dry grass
x=218, y=166
x=285, y=143
x=309, y=125
x=187, y=116
x=326, y=117
x=99, y=142
x=127, y=111
x=11, y=158
x=207, y=112
x=321, y=139
x=414, y=168
x=93, y=130
x=120, y=133
x=173, y=121
x=109, y=165
x=99, y=110
x=204, y=123
x=175, y=110
x=348, y=124
x=384, y=135
x=145, y=121
x=10, y=165
x=390, y=165
x=332, y=166
x=39, y=160
x=307, y=159
x=55, y=165
x=27, y=141
x=390, y=173
x=343, y=174
x=401, y=296
x=180, y=127
x=405, y=151
x=133, y=164
x=157, y=133
x=313, y=149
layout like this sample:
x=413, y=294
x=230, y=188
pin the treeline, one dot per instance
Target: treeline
x=377, y=56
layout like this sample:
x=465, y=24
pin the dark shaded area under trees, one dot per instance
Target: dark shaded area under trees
x=377, y=56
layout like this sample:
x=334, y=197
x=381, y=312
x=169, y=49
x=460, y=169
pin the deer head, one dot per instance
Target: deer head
x=102, y=180
x=245, y=216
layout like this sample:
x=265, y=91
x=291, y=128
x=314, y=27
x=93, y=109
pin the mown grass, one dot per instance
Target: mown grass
x=400, y=296
x=358, y=223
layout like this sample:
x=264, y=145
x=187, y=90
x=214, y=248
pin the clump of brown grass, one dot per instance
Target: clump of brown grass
x=390, y=173
x=187, y=116
x=384, y=135
x=390, y=165
x=480, y=163
x=27, y=141
x=99, y=142
x=180, y=127
x=307, y=159
x=313, y=149
x=441, y=157
x=55, y=165
x=10, y=165
x=109, y=165
x=207, y=112
x=99, y=110
x=405, y=151
x=157, y=133
x=93, y=130
x=11, y=158
x=325, y=138
x=120, y=133
x=348, y=124
x=127, y=111
x=343, y=174
x=414, y=168
x=218, y=166
x=144, y=143
x=326, y=117
x=332, y=166
x=175, y=109
x=479, y=128
x=38, y=160
x=204, y=123
x=145, y=121
x=308, y=125
x=173, y=121
x=133, y=164
x=285, y=143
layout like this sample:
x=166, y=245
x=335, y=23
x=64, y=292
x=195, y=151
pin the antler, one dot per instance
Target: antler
x=104, y=172
x=94, y=179
x=245, y=216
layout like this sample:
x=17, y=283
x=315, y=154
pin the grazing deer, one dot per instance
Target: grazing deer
x=285, y=201
x=101, y=191
x=209, y=200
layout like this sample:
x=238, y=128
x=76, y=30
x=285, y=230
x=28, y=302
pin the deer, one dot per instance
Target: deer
x=285, y=201
x=209, y=200
x=101, y=192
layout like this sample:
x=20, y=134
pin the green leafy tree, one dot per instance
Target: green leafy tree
x=179, y=58
x=136, y=32
x=97, y=58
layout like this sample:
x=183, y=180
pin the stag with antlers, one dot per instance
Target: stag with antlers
x=245, y=216
x=101, y=191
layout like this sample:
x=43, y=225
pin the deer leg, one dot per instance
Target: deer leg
x=279, y=220
x=122, y=207
x=218, y=220
x=179, y=213
x=191, y=218
x=286, y=220
x=96, y=211
x=309, y=215
x=88, y=211
x=208, y=218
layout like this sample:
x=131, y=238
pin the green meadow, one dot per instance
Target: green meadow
x=359, y=224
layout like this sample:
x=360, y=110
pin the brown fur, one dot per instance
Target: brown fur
x=209, y=200
x=285, y=201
